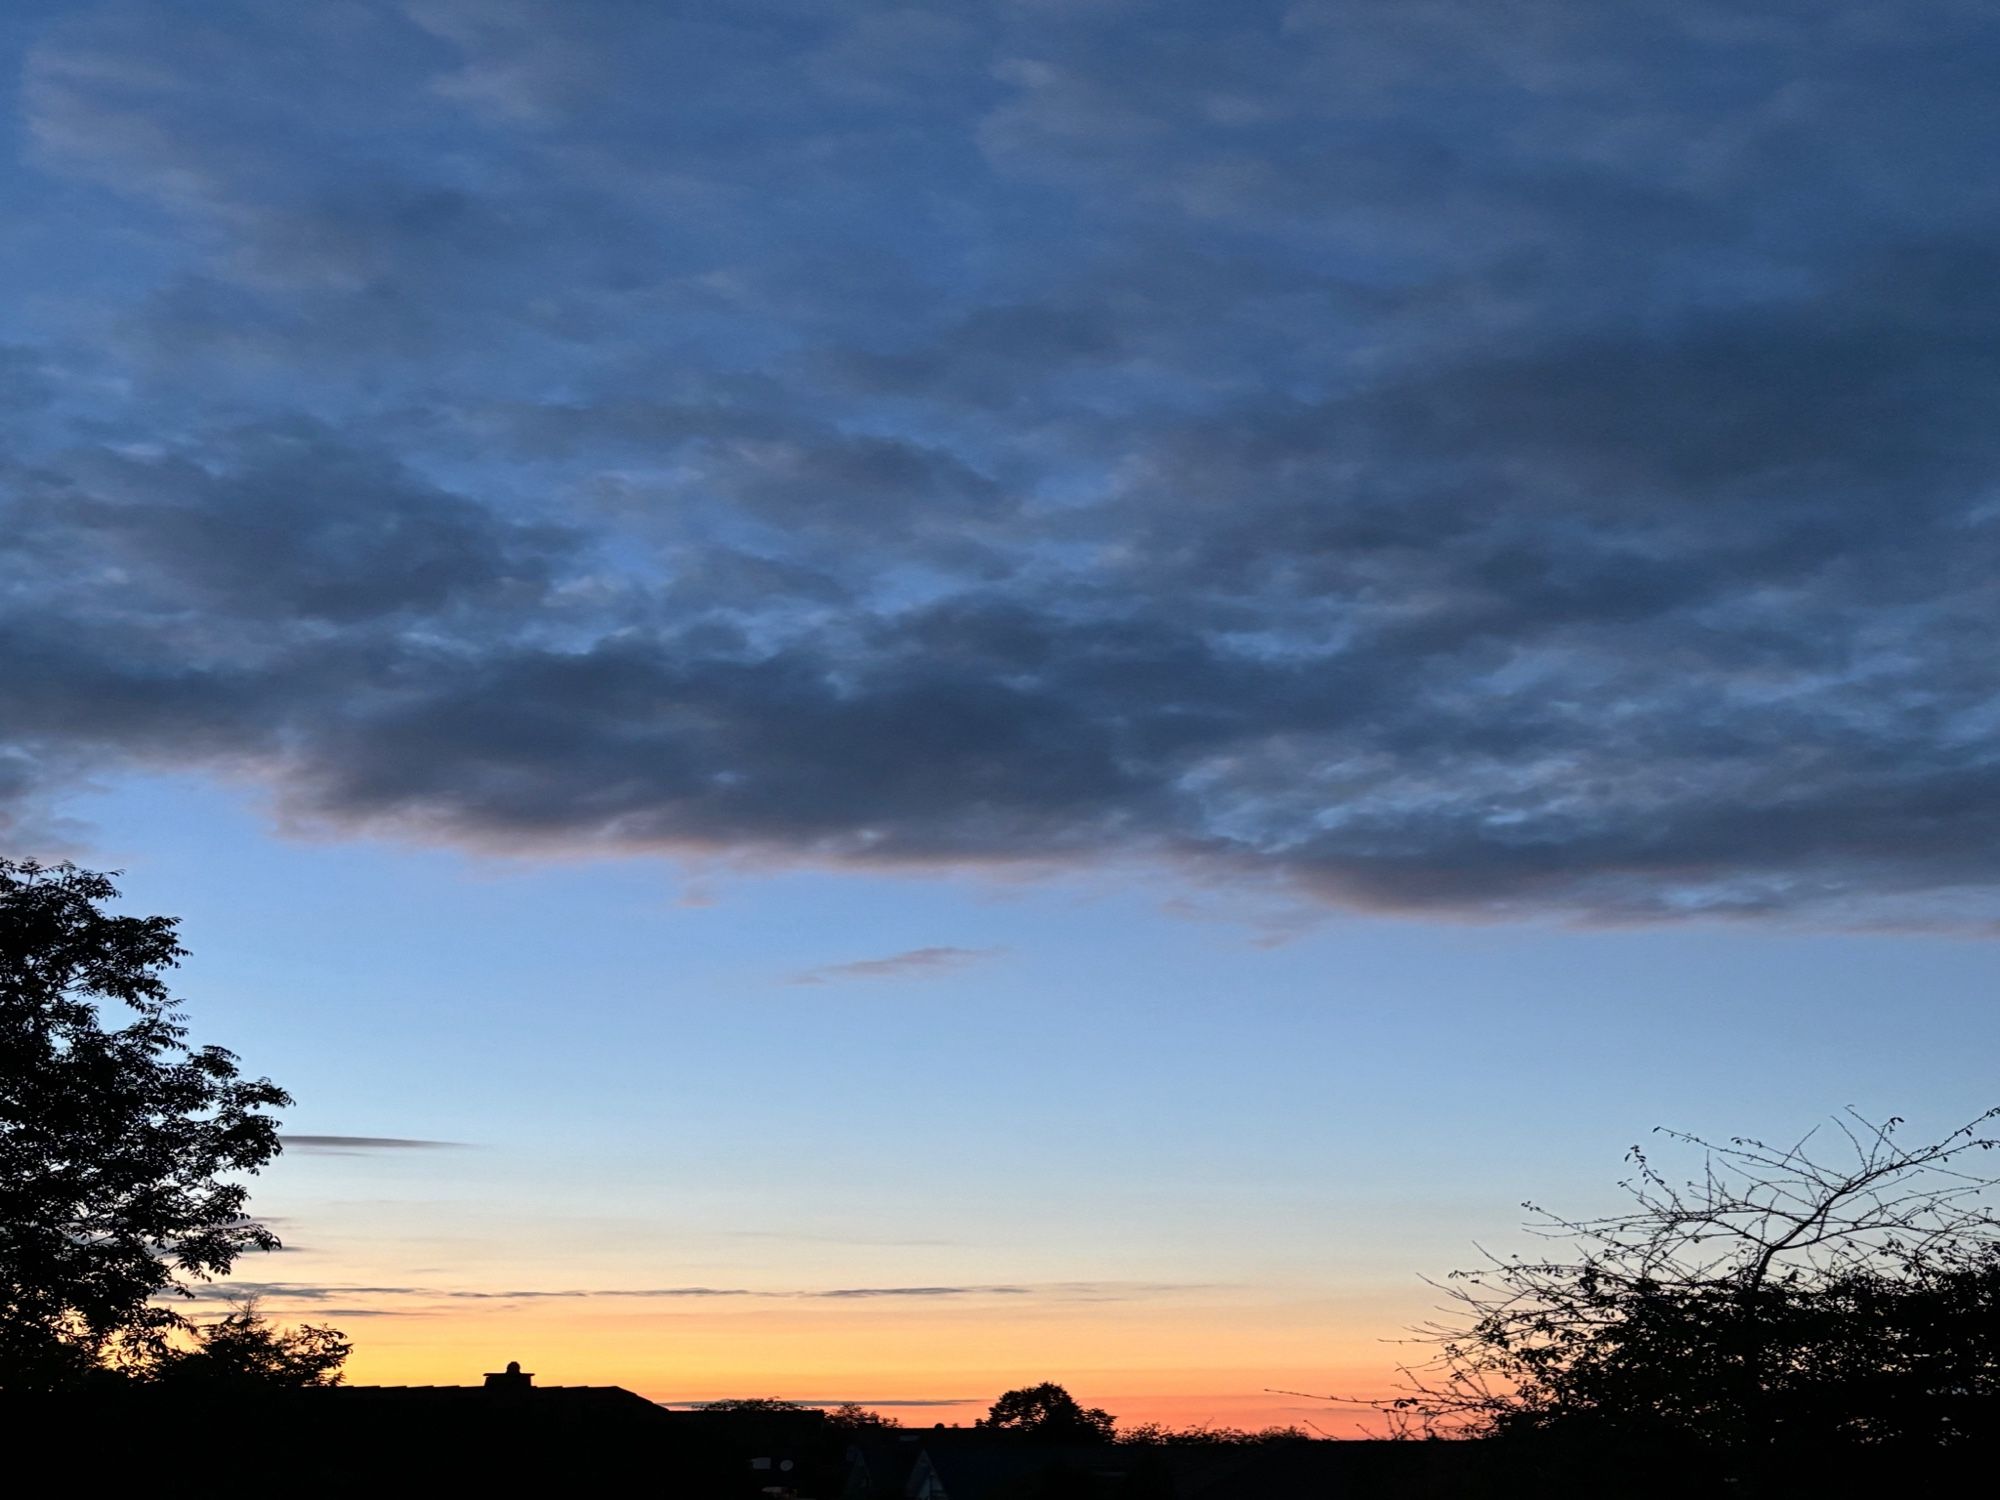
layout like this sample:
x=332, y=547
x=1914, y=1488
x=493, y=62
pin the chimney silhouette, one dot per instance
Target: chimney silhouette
x=512, y=1381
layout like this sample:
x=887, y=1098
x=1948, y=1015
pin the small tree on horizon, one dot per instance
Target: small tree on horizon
x=856, y=1420
x=1165, y=1435
x=119, y=1143
x=1049, y=1414
x=245, y=1350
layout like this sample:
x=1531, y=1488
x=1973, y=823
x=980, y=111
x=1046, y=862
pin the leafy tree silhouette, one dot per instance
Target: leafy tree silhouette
x=1049, y=1414
x=244, y=1349
x=856, y=1420
x=1163, y=1435
x=115, y=1140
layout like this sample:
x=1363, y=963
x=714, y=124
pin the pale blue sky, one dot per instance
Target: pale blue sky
x=1117, y=1088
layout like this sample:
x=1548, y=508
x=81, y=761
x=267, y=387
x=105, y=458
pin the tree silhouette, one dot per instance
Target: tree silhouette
x=244, y=1350
x=856, y=1420
x=115, y=1140
x=1049, y=1414
x=1163, y=1435
x=1811, y=1296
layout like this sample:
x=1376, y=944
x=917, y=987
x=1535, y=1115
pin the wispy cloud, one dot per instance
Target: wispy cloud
x=350, y=1145
x=801, y=1237
x=1051, y=1291
x=910, y=964
x=545, y=1294
x=845, y=1292
x=237, y=1291
x=925, y=1291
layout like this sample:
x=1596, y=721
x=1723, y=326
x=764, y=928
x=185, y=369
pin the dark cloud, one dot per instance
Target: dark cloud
x=280, y=521
x=237, y=1290
x=1422, y=457
x=348, y=1144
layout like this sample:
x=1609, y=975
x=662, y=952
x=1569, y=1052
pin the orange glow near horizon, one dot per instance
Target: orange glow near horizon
x=1132, y=1359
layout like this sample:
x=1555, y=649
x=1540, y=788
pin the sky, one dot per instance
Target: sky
x=881, y=701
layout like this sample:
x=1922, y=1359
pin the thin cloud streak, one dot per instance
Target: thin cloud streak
x=348, y=1145
x=1078, y=1290
x=801, y=1237
x=912, y=963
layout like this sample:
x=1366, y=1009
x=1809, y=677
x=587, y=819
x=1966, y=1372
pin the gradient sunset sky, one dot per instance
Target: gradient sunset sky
x=880, y=701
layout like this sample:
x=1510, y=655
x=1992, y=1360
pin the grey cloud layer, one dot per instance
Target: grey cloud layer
x=1448, y=457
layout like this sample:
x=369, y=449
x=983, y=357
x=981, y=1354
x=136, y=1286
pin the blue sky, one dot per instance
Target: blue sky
x=1123, y=1099
x=1150, y=655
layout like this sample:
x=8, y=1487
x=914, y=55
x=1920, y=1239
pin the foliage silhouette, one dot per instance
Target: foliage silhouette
x=1049, y=1414
x=1161, y=1435
x=244, y=1350
x=1804, y=1297
x=856, y=1420
x=115, y=1140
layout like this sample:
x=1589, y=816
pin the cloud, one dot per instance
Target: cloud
x=1414, y=462
x=1061, y=1291
x=830, y=1239
x=836, y=1293
x=912, y=963
x=924, y=1291
x=237, y=1290
x=281, y=520
x=345, y=1145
